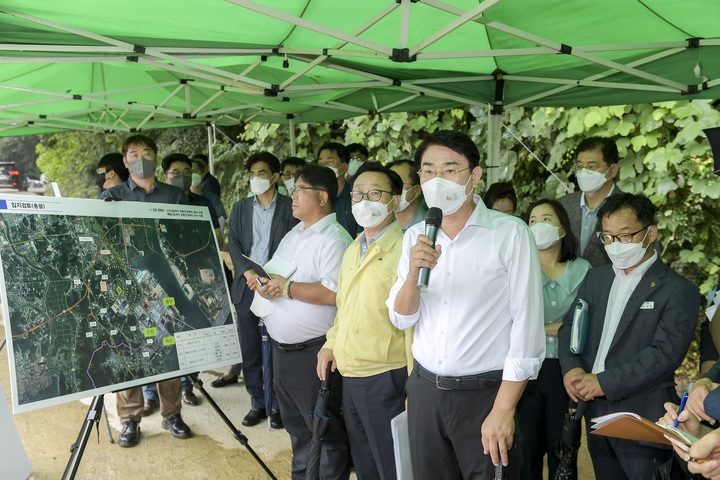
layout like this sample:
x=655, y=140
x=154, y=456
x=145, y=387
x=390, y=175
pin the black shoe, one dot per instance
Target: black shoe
x=254, y=416
x=221, y=381
x=275, y=420
x=189, y=398
x=177, y=427
x=149, y=407
x=130, y=434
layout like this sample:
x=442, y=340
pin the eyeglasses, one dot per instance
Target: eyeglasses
x=178, y=173
x=261, y=174
x=287, y=176
x=372, y=195
x=607, y=239
x=299, y=190
x=448, y=174
x=595, y=167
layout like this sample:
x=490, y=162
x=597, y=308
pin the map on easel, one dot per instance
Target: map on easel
x=102, y=296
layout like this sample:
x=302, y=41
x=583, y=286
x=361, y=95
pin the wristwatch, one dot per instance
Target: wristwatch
x=286, y=290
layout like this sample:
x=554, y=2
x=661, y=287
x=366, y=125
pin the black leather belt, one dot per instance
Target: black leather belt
x=466, y=382
x=297, y=347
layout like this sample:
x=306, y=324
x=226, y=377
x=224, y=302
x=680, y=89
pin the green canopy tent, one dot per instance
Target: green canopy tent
x=123, y=66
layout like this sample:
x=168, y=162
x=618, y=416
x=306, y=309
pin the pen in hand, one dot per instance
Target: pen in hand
x=262, y=285
x=680, y=409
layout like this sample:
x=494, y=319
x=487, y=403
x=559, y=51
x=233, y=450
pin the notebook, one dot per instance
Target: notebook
x=631, y=426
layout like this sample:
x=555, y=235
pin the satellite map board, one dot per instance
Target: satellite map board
x=101, y=296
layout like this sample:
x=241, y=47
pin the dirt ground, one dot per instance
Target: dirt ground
x=212, y=453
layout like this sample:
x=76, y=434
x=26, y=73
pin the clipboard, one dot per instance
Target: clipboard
x=276, y=265
x=256, y=267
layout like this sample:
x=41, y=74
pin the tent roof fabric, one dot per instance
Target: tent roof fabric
x=124, y=66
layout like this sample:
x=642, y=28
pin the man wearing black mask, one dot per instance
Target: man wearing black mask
x=110, y=171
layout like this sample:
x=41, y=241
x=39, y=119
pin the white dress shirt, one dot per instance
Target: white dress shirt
x=317, y=252
x=483, y=309
x=622, y=288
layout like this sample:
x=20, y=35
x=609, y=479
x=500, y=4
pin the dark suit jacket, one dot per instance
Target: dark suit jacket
x=240, y=236
x=649, y=344
x=211, y=184
x=343, y=212
x=594, y=252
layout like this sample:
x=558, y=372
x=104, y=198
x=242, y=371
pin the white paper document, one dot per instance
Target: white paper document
x=401, y=445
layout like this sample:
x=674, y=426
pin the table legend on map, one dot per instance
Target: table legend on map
x=209, y=345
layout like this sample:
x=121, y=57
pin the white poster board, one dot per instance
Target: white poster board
x=14, y=462
x=102, y=296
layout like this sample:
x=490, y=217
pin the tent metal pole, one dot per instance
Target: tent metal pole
x=494, y=121
x=404, y=24
x=462, y=19
x=336, y=49
x=211, y=143
x=542, y=42
x=493, y=149
x=399, y=102
x=293, y=146
x=312, y=26
x=608, y=73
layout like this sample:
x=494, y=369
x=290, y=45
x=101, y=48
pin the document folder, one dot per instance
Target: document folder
x=632, y=426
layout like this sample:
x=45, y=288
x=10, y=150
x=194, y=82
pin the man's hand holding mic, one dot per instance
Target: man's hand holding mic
x=423, y=255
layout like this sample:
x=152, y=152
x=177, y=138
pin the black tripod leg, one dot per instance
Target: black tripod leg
x=107, y=422
x=77, y=448
x=197, y=383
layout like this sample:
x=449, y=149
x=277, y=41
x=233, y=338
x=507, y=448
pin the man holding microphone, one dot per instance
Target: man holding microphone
x=478, y=326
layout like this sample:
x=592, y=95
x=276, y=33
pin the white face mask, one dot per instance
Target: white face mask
x=196, y=179
x=446, y=195
x=370, y=214
x=626, y=255
x=590, y=180
x=353, y=166
x=545, y=234
x=403, y=202
x=289, y=184
x=258, y=185
x=335, y=170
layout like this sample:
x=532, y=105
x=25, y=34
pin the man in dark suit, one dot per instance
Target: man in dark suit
x=596, y=167
x=642, y=317
x=257, y=224
x=335, y=156
x=209, y=182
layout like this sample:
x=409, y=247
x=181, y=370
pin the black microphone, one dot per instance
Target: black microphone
x=433, y=220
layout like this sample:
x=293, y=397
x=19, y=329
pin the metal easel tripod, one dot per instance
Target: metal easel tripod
x=92, y=418
x=197, y=383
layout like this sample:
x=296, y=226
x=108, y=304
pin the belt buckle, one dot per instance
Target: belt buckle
x=437, y=383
